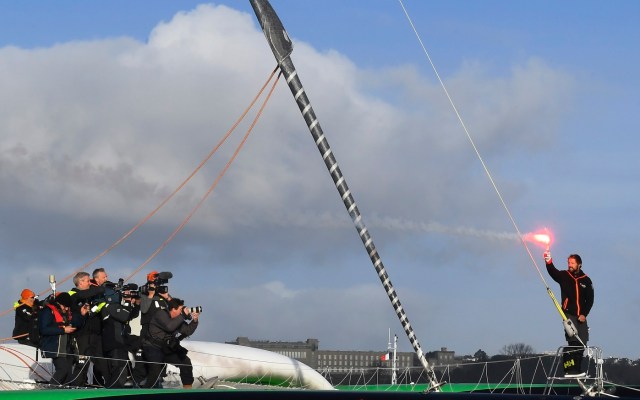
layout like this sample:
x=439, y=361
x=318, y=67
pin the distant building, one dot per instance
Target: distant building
x=301, y=351
x=343, y=360
x=351, y=360
x=441, y=357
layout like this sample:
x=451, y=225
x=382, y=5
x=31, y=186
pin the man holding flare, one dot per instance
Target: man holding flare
x=577, y=299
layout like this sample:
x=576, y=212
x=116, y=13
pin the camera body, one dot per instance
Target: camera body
x=162, y=278
x=159, y=282
x=144, y=289
x=131, y=289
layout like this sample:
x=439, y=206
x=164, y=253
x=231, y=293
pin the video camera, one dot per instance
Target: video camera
x=121, y=288
x=132, y=290
x=158, y=282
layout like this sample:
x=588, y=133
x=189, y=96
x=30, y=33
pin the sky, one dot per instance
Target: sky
x=106, y=108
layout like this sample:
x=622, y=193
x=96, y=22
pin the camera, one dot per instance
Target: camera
x=115, y=286
x=129, y=287
x=144, y=289
x=158, y=282
x=191, y=310
x=120, y=288
x=131, y=290
x=163, y=277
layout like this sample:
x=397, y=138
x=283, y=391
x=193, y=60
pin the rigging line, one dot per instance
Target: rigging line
x=19, y=355
x=166, y=200
x=184, y=182
x=484, y=165
x=14, y=337
x=213, y=186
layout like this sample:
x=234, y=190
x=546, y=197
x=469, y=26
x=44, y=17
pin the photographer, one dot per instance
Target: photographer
x=154, y=297
x=161, y=344
x=100, y=278
x=25, y=330
x=56, y=323
x=116, y=332
x=89, y=295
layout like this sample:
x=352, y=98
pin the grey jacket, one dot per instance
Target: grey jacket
x=163, y=328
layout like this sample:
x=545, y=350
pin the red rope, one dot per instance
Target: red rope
x=211, y=188
x=166, y=200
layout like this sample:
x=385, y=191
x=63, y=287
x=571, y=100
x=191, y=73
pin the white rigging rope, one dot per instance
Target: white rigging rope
x=475, y=148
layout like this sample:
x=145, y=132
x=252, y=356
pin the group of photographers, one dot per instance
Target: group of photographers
x=89, y=325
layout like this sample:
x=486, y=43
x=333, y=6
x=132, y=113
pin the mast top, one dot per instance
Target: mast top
x=273, y=29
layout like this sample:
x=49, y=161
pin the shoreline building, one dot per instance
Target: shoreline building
x=309, y=353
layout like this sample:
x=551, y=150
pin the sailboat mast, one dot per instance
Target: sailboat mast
x=394, y=365
x=282, y=47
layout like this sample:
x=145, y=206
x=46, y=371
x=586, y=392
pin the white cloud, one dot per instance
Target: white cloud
x=96, y=134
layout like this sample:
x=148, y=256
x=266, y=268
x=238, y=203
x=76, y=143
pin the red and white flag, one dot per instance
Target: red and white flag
x=385, y=357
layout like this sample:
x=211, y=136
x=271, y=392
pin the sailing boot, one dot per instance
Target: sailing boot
x=571, y=361
x=567, y=361
x=577, y=356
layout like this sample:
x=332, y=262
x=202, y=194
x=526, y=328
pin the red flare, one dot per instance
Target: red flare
x=542, y=238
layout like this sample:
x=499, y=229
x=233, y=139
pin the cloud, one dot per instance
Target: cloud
x=95, y=134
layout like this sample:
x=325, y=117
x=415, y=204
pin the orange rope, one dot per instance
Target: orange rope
x=166, y=200
x=13, y=337
x=18, y=355
x=213, y=186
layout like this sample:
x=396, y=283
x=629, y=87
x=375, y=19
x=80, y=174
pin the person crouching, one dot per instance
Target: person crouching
x=160, y=343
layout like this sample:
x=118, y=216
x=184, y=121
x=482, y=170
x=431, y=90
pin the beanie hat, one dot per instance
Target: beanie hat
x=151, y=276
x=64, y=299
x=27, y=294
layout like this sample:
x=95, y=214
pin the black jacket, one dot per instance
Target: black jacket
x=26, y=322
x=576, y=291
x=93, y=325
x=148, y=308
x=115, y=324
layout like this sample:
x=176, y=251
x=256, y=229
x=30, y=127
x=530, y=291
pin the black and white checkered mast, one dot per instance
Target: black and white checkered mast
x=282, y=47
